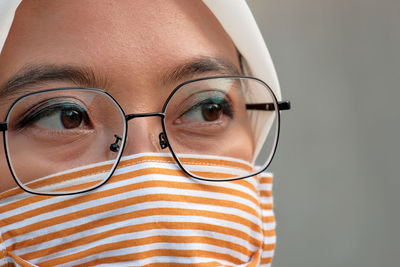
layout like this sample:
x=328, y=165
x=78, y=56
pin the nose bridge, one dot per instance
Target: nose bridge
x=142, y=134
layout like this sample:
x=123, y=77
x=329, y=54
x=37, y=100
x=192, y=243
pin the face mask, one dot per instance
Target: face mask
x=148, y=213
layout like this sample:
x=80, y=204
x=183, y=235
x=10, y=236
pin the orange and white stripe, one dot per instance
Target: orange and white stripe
x=148, y=214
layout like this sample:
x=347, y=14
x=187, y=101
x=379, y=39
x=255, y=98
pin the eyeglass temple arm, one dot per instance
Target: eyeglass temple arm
x=3, y=126
x=282, y=105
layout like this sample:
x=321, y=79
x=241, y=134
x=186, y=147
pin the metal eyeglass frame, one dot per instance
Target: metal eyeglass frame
x=163, y=138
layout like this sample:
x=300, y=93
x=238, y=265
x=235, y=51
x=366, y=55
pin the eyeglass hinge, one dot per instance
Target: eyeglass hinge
x=3, y=126
x=284, y=105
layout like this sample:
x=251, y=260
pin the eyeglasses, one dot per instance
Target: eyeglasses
x=56, y=130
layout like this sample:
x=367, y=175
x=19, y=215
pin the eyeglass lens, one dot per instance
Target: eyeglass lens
x=223, y=117
x=62, y=130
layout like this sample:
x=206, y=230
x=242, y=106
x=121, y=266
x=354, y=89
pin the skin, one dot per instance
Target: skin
x=134, y=48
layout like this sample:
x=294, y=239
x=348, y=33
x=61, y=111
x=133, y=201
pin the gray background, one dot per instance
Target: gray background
x=336, y=171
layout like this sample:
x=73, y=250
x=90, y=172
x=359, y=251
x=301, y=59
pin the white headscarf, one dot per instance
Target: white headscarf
x=237, y=20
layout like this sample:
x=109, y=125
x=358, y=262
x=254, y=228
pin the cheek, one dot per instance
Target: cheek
x=33, y=159
x=238, y=145
x=236, y=142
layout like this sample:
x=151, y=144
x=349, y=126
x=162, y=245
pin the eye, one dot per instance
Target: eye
x=61, y=118
x=209, y=110
x=56, y=114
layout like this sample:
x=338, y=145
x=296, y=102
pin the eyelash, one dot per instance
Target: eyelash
x=226, y=105
x=47, y=107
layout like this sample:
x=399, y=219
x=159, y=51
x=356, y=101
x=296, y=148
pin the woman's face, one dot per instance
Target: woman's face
x=138, y=51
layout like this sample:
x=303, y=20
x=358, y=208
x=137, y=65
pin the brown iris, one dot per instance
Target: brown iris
x=71, y=118
x=211, y=111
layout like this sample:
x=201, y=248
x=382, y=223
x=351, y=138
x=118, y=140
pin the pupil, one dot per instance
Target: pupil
x=71, y=118
x=211, y=112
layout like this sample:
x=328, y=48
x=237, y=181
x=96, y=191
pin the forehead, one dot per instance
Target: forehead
x=136, y=36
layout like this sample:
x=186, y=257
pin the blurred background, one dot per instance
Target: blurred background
x=337, y=180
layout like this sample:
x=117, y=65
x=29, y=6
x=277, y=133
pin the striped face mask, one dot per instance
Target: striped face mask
x=149, y=213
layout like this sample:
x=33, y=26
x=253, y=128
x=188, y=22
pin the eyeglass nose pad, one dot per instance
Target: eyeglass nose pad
x=163, y=140
x=114, y=147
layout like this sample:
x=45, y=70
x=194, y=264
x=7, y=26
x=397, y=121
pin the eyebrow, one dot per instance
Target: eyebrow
x=32, y=75
x=36, y=74
x=199, y=66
